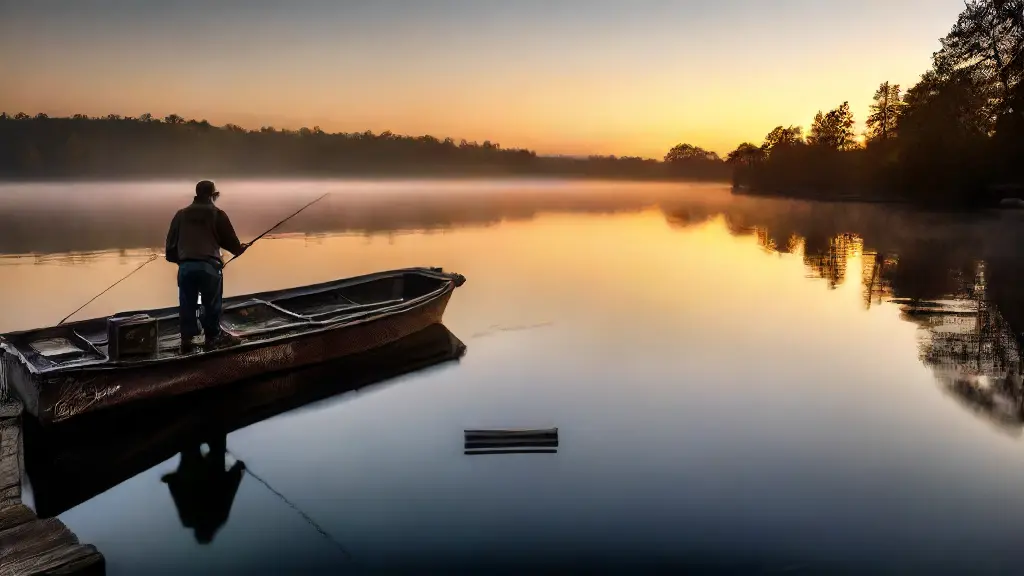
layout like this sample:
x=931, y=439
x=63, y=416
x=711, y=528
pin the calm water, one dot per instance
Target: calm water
x=734, y=380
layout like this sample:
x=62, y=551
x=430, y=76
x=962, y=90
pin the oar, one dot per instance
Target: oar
x=155, y=256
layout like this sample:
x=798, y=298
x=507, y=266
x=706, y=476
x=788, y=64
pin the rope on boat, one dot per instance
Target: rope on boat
x=294, y=507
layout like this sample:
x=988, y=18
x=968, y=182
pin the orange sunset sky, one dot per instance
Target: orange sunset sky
x=557, y=76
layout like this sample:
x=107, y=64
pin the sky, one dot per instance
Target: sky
x=623, y=77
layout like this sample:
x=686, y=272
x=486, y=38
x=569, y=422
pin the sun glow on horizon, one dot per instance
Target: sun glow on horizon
x=612, y=79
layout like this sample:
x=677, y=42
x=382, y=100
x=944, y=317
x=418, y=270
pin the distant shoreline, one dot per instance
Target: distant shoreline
x=44, y=149
x=364, y=176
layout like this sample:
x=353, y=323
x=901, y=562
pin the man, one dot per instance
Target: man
x=194, y=242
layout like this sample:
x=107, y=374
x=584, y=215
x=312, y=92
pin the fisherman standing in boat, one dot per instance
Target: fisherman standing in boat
x=197, y=234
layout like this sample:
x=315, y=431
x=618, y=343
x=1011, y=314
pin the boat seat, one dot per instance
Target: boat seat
x=256, y=316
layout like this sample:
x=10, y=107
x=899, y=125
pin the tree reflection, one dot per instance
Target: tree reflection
x=956, y=278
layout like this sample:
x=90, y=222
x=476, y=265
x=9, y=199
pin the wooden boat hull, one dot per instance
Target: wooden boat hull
x=74, y=461
x=63, y=394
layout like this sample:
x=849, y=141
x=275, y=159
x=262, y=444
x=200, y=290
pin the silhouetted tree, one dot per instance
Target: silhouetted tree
x=746, y=154
x=833, y=130
x=949, y=140
x=743, y=159
x=689, y=152
x=781, y=137
x=689, y=159
x=944, y=138
x=988, y=39
x=885, y=111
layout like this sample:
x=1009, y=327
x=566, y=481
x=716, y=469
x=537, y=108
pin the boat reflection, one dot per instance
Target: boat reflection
x=70, y=463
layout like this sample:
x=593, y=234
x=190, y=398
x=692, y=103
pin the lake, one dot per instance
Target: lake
x=738, y=382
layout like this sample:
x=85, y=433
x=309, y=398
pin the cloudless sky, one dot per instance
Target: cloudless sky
x=624, y=77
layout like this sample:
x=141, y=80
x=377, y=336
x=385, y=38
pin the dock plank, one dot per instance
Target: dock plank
x=10, y=408
x=79, y=560
x=11, y=462
x=15, y=515
x=29, y=545
x=34, y=538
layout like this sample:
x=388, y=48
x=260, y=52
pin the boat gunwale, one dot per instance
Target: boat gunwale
x=317, y=326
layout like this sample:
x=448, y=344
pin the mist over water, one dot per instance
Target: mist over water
x=788, y=382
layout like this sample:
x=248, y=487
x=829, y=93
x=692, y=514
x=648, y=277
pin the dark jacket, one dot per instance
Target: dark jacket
x=198, y=232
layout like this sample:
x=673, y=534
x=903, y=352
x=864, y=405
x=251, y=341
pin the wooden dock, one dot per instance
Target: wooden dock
x=30, y=545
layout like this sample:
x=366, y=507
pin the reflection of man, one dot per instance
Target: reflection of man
x=203, y=491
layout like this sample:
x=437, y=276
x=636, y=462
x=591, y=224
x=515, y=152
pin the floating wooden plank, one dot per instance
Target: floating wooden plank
x=511, y=451
x=520, y=433
x=511, y=441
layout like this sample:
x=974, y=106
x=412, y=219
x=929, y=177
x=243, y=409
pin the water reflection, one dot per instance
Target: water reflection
x=713, y=401
x=203, y=489
x=913, y=258
x=953, y=276
x=71, y=463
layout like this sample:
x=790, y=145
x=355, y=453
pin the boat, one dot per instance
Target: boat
x=64, y=371
x=72, y=462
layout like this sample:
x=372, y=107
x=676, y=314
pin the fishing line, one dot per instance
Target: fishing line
x=155, y=256
x=151, y=258
x=295, y=507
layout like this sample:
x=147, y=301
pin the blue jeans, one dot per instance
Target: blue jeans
x=194, y=279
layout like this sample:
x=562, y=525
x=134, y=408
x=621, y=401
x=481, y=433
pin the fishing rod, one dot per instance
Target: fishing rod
x=155, y=256
x=269, y=230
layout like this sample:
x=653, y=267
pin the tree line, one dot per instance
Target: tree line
x=80, y=146
x=956, y=138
